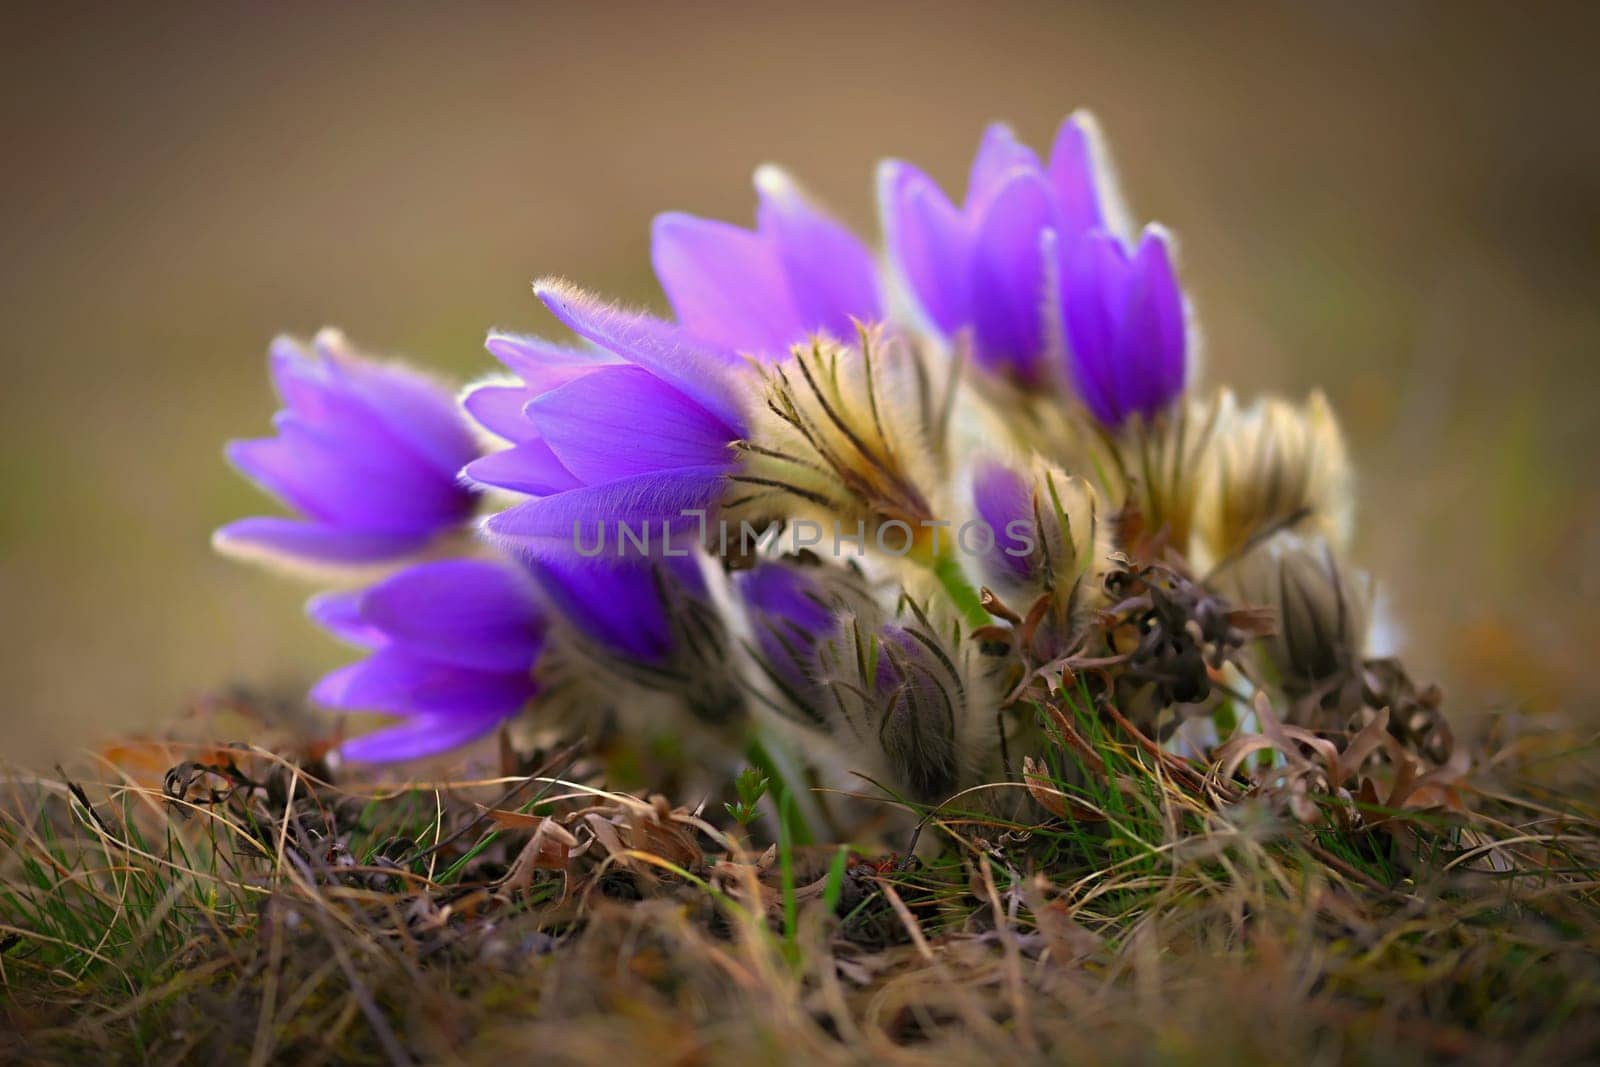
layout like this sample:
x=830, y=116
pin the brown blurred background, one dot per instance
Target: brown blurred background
x=1398, y=202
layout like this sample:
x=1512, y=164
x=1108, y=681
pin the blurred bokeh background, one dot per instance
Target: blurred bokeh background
x=1397, y=202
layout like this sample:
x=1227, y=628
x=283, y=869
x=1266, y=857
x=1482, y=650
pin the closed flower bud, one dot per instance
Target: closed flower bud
x=791, y=607
x=850, y=435
x=1273, y=466
x=911, y=701
x=1048, y=547
x=1323, y=610
x=1151, y=473
x=643, y=638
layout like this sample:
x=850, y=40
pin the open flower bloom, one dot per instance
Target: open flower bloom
x=625, y=448
x=758, y=292
x=366, y=452
x=1034, y=265
x=634, y=435
x=453, y=645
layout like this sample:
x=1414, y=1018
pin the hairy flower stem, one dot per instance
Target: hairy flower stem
x=961, y=593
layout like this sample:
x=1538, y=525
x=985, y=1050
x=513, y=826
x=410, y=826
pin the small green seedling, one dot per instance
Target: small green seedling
x=751, y=785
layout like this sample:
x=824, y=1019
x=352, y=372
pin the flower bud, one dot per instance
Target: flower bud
x=791, y=606
x=641, y=636
x=1274, y=465
x=849, y=435
x=900, y=694
x=1049, y=542
x=1323, y=611
x=1151, y=473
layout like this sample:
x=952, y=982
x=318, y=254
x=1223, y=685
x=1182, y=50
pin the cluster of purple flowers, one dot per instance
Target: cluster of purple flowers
x=458, y=513
x=1034, y=265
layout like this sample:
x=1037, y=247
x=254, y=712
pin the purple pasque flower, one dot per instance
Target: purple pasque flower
x=529, y=466
x=453, y=645
x=1047, y=545
x=987, y=265
x=790, y=613
x=1125, y=326
x=638, y=432
x=627, y=608
x=367, y=453
x=649, y=621
x=1002, y=499
x=1011, y=265
x=798, y=273
x=888, y=691
x=899, y=690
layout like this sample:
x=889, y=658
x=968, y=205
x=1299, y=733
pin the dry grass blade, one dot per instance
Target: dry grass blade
x=252, y=909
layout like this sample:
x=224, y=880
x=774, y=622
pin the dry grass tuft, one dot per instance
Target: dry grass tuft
x=1329, y=904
